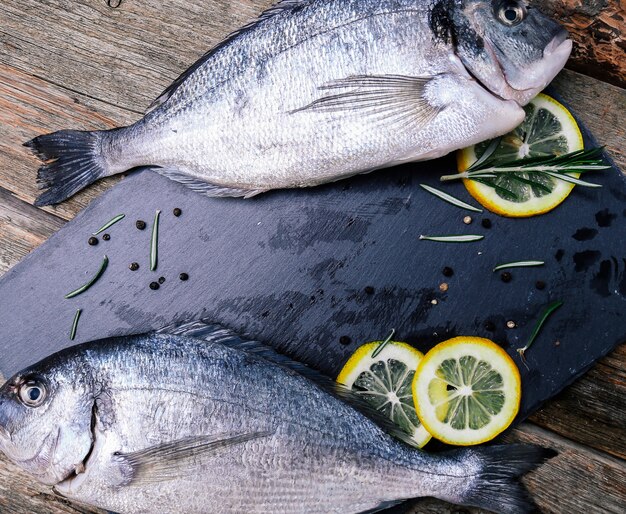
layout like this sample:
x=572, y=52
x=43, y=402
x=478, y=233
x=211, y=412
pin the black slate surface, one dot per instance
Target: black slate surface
x=308, y=271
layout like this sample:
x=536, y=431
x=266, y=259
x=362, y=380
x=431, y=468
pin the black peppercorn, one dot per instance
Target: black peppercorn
x=505, y=276
x=161, y=280
x=369, y=290
x=106, y=237
x=154, y=285
x=93, y=241
x=177, y=212
x=345, y=340
x=183, y=276
x=540, y=284
x=134, y=266
x=140, y=224
x=489, y=325
x=486, y=223
x=447, y=271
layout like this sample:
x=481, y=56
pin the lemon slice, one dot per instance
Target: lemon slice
x=467, y=390
x=548, y=129
x=385, y=381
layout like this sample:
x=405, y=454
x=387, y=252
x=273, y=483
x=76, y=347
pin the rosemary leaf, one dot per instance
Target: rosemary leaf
x=573, y=180
x=450, y=199
x=518, y=264
x=453, y=239
x=383, y=344
x=542, y=319
x=94, y=279
x=154, y=242
x=493, y=146
x=75, y=324
x=109, y=223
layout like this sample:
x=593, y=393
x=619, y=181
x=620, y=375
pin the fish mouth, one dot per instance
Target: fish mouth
x=555, y=55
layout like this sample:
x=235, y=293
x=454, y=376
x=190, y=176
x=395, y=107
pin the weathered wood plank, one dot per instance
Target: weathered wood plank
x=31, y=106
x=125, y=56
x=598, y=29
x=22, y=228
x=592, y=411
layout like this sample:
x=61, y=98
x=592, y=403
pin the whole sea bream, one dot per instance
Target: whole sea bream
x=318, y=90
x=216, y=424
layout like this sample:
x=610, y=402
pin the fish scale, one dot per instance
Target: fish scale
x=169, y=422
x=319, y=90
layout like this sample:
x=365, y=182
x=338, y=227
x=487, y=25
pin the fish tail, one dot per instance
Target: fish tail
x=73, y=160
x=495, y=485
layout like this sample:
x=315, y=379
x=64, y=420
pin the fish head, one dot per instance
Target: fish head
x=511, y=48
x=46, y=421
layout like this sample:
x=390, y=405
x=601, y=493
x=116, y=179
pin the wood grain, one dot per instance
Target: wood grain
x=598, y=29
x=79, y=64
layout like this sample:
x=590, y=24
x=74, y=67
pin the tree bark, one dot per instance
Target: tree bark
x=598, y=28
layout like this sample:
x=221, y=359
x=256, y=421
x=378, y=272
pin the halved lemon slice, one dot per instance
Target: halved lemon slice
x=548, y=129
x=384, y=380
x=467, y=390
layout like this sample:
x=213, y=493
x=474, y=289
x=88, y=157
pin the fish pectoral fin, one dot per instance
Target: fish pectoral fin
x=394, y=98
x=169, y=460
x=205, y=188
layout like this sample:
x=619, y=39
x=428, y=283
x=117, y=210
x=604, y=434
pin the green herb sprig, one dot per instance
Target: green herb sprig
x=579, y=161
x=542, y=319
x=113, y=221
x=75, y=324
x=449, y=198
x=382, y=345
x=464, y=238
x=94, y=279
x=154, y=242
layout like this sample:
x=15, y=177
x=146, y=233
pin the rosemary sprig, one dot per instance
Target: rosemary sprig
x=518, y=264
x=94, y=279
x=453, y=239
x=75, y=324
x=382, y=345
x=109, y=223
x=544, y=315
x=556, y=166
x=449, y=198
x=154, y=242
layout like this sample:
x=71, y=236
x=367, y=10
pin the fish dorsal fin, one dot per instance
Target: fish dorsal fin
x=215, y=333
x=393, y=99
x=171, y=460
x=205, y=188
x=278, y=8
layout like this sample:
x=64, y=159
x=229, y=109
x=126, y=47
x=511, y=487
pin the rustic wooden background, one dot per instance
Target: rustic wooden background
x=83, y=64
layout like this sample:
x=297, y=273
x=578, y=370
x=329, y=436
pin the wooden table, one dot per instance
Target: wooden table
x=82, y=64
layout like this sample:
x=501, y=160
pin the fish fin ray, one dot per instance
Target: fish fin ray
x=205, y=188
x=72, y=161
x=382, y=96
x=215, y=333
x=384, y=506
x=496, y=486
x=280, y=7
x=168, y=460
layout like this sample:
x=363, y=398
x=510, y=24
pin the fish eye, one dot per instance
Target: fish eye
x=511, y=13
x=32, y=393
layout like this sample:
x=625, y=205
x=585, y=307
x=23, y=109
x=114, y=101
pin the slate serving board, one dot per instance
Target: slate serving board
x=317, y=272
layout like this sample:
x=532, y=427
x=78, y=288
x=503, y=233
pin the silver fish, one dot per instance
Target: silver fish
x=173, y=423
x=318, y=90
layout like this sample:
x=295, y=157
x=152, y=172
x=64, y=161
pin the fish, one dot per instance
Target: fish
x=315, y=91
x=198, y=419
